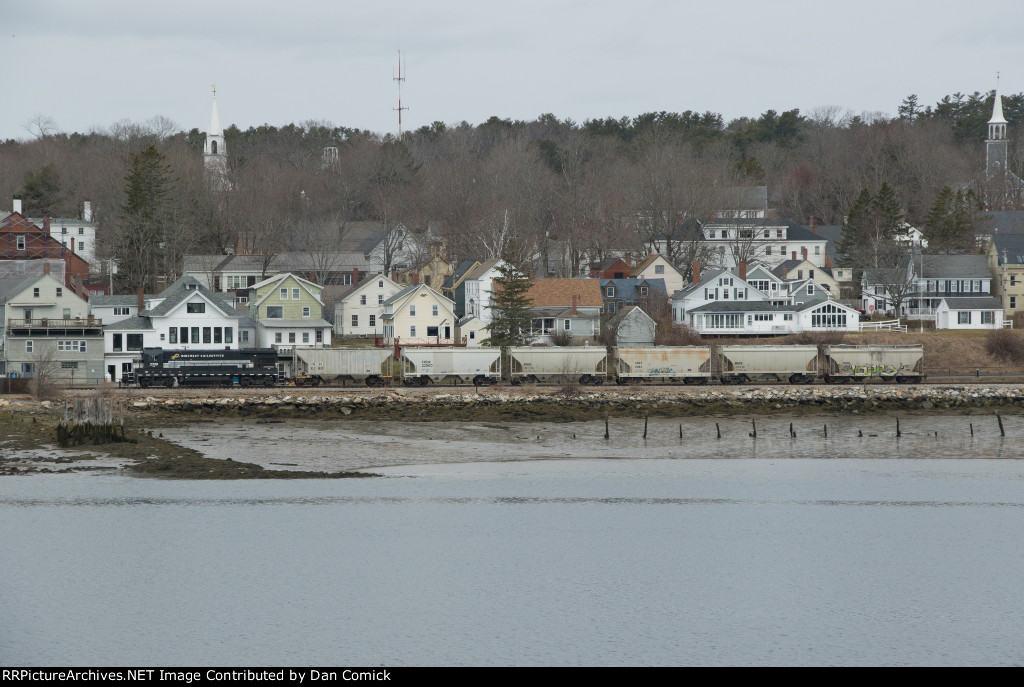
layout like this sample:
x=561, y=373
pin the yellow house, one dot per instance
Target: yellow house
x=1006, y=261
x=419, y=314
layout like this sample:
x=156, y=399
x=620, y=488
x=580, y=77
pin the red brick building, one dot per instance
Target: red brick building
x=21, y=239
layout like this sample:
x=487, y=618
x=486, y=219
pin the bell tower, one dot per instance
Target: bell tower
x=996, y=145
x=215, y=153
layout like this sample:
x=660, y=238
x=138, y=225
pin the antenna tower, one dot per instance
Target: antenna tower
x=400, y=79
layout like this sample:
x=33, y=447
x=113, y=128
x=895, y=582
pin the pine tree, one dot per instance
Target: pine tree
x=146, y=218
x=43, y=191
x=949, y=225
x=510, y=305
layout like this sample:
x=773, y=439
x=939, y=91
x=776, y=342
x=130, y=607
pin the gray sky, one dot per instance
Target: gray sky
x=90, y=63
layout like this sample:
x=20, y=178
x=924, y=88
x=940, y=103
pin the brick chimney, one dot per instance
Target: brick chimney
x=803, y=252
x=785, y=273
x=46, y=267
x=355, y=276
x=574, y=311
x=696, y=271
x=142, y=301
x=743, y=270
x=814, y=225
x=46, y=226
x=415, y=278
x=794, y=255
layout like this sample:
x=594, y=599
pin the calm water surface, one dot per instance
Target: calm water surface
x=485, y=545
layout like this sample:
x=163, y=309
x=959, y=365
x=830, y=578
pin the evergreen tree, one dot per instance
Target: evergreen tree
x=146, y=218
x=510, y=305
x=43, y=191
x=951, y=220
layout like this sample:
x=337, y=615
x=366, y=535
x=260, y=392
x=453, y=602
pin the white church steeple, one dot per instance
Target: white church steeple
x=215, y=153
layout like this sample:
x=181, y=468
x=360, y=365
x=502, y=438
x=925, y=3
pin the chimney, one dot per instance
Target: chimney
x=142, y=301
x=17, y=204
x=574, y=311
x=696, y=271
x=814, y=225
x=87, y=211
x=743, y=270
x=355, y=276
x=46, y=226
x=794, y=255
x=415, y=278
x=803, y=252
x=394, y=275
x=785, y=273
x=46, y=267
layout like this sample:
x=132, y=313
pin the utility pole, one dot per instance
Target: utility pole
x=399, y=79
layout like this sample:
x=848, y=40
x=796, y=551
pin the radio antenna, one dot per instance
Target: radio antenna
x=399, y=79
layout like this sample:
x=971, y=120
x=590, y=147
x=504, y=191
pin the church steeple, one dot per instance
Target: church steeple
x=997, y=145
x=215, y=153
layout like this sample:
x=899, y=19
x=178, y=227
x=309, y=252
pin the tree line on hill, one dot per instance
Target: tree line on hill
x=502, y=187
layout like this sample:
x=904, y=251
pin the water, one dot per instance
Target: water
x=762, y=559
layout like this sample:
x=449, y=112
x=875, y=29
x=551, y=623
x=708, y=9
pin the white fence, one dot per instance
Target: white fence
x=885, y=326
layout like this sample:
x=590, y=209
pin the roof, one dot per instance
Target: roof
x=559, y=293
x=482, y=268
x=1013, y=245
x=746, y=197
x=298, y=262
x=118, y=300
x=629, y=289
x=460, y=273
x=12, y=286
x=627, y=311
x=955, y=266
x=408, y=290
x=1002, y=222
x=179, y=291
x=646, y=262
x=745, y=306
x=981, y=303
x=360, y=237
x=135, y=322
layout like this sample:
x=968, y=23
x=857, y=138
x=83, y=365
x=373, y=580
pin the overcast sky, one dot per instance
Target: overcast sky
x=90, y=63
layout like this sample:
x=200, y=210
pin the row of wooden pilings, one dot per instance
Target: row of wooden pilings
x=92, y=420
x=792, y=432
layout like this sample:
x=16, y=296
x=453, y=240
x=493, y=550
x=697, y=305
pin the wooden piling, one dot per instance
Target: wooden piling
x=972, y=429
x=1002, y=432
x=792, y=434
x=753, y=423
x=826, y=431
x=898, y=432
x=680, y=431
x=719, y=430
x=605, y=426
x=645, y=425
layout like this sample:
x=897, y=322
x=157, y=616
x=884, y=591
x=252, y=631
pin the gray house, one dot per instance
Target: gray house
x=631, y=326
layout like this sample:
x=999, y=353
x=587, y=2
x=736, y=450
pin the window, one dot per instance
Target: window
x=305, y=311
x=567, y=325
x=63, y=230
x=69, y=366
x=799, y=274
x=373, y=320
x=122, y=311
x=277, y=337
x=433, y=310
x=74, y=345
x=987, y=317
x=81, y=231
x=184, y=335
x=134, y=342
x=362, y=299
x=610, y=292
x=117, y=343
x=28, y=313
x=659, y=269
x=412, y=311
x=295, y=294
x=275, y=312
x=30, y=346
x=643, y=290
x=380, y=299
x=81, y=246
x=412, y=330
x=21, y=241
x=172, y=335
x=963, y=317
x=725, y=234
x=828, y=316
x=319, y=336
x=291, y=337
x=229, y=335
x=787, y=317
x=35, y=292
x=195, y=334
x=305, y=337
x=207, y=335
x=810, y=289
x=284, y=294
x=195, y=308
x=1013, y=301
x=778, y=235
x=355, y=320
x=432, y=332
x=380, y=284
x=768, y=250
x=243, y=335
x=810, y=274
x=218, y=335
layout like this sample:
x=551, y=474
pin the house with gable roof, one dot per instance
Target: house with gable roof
x=656, y=266
x=570, y=307
x=618, y=293
x=419, y=315
x=186, y=315
x=479, y=292
x=287, y=310
x=1006, y=263
x=359, y=309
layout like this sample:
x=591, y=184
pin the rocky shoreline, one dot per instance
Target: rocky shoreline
x=561, y=404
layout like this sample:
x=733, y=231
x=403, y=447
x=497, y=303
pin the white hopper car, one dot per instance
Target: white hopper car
x=456, y=365
x=586, y=364
x=668, y=364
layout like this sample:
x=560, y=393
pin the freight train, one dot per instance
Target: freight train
x=589, y=365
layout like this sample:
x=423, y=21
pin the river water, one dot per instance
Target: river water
x=486, y=545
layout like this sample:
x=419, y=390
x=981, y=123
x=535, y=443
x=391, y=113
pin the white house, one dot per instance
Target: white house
x=186, y=315
x=480, y=289
x=357, y=312
x=929, y=279
x=656, y=266
x=419, y=314
x=969, y=313
x=113, y=309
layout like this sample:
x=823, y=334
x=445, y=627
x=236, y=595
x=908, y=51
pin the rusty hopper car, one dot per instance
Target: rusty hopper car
x=587, y=364
x=421, y=366
x=902, y=364
x=215, y=367
x=743, y=364
x=669, y=364
x=315, y=366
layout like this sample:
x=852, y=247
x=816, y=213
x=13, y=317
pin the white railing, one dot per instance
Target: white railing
x=1007, y=324
x=884, y=326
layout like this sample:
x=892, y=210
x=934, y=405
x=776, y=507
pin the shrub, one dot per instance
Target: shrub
x=678, y=335
x=1006, y=345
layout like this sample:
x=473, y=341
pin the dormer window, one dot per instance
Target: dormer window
x=643, y=290
x=609, y=292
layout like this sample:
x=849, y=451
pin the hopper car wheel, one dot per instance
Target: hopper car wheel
x=905, y=380
x=621, y=380
x=421, y=381
x=480, y=380
x=690, y=381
